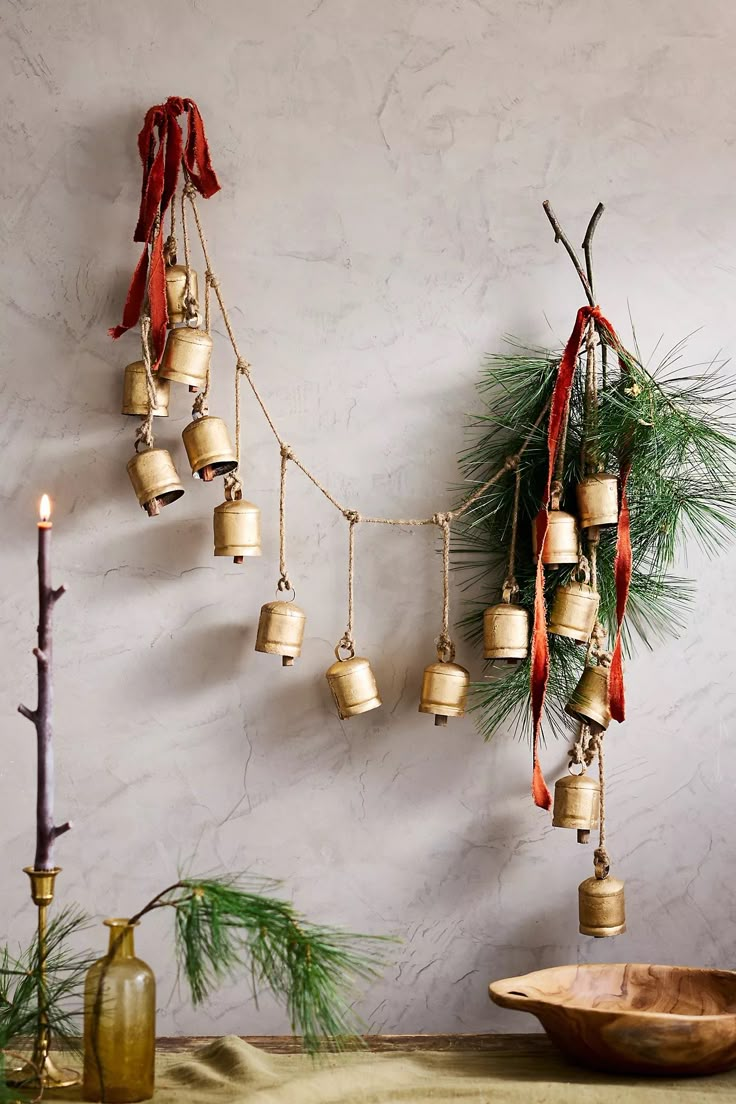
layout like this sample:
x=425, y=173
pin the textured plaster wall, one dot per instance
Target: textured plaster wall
x=379, y=228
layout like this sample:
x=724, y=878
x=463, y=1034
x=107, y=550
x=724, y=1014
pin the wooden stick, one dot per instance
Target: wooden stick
x=560, y=236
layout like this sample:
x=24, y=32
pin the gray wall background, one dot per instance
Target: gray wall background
x=379, y=228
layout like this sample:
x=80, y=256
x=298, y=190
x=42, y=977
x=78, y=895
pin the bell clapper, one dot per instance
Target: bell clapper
x=207, y=473
x=153, y=507
x=287, y=661
x=238, y=559
x=193, y=390
x=583, y=835
x=440, y=719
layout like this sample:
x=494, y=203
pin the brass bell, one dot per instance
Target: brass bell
x=574, y=611
x=237, y=529
x=444, y=691
x=505, y=632
x=577, y=804
x=589, y=702
x=186, y=357
x=601, y=907
x=353, y=686
x=210, y=452
x=281, y=631
x=176, y=291
x=598, y=500
x=154, y=479
x=135, y=391
x=561, y=541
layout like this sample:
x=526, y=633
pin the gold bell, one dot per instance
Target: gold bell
x=577, y=804
x=135, y=392
x=187, y=357
x=353, y=686
x=444, y=691
x=176, y=292
x=155, y=479
x=589, y=702
x=561, y=541
x=281, y=631
x=601, y=907
x=237, y=528
x=574, y=611
x=598, y=500
x=207, y=441
x=505, y=632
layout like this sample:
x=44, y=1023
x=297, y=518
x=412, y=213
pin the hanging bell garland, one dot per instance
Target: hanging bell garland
x=561, y=540
x=187, y=357
x=281, y=631
x=135, y=392
x=576, y=804
x=352, y=683
x=574, y=611
x=237, y=529
x=444, y=687
x=598, y=500
x=181, y=301
x=589, y=702
x=155, y=479
x=208, y=446
x=601, y=907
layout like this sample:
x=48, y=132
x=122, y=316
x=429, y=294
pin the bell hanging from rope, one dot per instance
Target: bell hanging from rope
x=598, y=500
x=561, y=539
x=281, y=631
x=208, y=446
x=237, y=529
x=590, y=700
x=577, y=804
x=179, y=304
x=353, y=685
x=187, y=357
x=574, y=611
x=155, y=479
x=135, y=391
x=601, y=907
x=444, y=689
x=506, y=632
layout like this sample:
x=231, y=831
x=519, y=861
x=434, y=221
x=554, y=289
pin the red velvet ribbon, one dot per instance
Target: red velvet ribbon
x=163, y=151
x=540, y=642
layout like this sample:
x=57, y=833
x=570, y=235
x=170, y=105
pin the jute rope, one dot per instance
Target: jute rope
x=445, y=646
x=510, y=586
x=601, y=860
x=284, y=582
x=144, y=434
x=347, y=642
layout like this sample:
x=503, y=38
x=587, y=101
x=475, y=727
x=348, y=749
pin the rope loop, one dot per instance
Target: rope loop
x=509, y=590
x=345, y=644
x=445, y=648
x=581, y=574
x=170, y=247
x=200, y=407
x=233, y=487
x=602, y=863
x=284, y=584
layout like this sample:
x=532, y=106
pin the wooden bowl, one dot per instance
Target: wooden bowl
x=632, y=1018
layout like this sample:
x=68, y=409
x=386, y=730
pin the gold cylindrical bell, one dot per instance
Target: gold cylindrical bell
x=444, y=691
x=598, y=500
x=187, y=357
x=155, y=479
x=135, y=392
x=237, y=528
x=590, y=701
x=281, y=631
x=561, y=541
x=574, y=611
x=505, y=632
x=577, y=804
x=353, y=686
x=601, y=907
x=208, y=445
x=176, y=290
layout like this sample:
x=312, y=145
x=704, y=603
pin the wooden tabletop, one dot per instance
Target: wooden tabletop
x=527, y=1045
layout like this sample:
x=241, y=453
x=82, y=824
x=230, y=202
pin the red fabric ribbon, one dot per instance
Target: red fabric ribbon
x=163, y=151
x=540, y=642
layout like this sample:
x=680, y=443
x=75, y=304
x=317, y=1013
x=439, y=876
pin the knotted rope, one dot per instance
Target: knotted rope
x=347, y=642
x=445, y=646
x=510, y=586
x=284, y=582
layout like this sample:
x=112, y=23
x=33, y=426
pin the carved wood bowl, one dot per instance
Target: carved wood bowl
x=632, y=1018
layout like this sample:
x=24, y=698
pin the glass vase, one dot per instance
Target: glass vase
x=119, y=1023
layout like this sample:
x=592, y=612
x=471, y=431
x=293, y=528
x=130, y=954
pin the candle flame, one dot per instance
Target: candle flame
x=44, y=509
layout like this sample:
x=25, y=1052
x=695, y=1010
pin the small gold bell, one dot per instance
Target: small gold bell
x=574, y=611
x=135, y=392
x=598, y=500
x=187, y=357
x=589, y=702
x=561, y=541
x=353, y=686
x=444, y=691
x=281, y=631
x=208, y=446
x=176, y=291
x=577, y=804
x=601, y=907
x=155, y=479
x=505, y=632
x=237, y=529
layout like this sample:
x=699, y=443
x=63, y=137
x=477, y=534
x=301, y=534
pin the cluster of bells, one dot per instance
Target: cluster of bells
x=186, y=360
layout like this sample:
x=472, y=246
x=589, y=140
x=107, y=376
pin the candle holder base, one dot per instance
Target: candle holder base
x=27, y=1075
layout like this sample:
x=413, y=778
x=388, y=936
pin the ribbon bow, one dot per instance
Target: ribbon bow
x=163, y=152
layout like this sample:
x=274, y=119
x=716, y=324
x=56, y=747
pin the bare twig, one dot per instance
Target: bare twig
x=588, y=244
x=560, y=236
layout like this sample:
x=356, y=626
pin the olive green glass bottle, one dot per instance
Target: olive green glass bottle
x=119, y=1023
